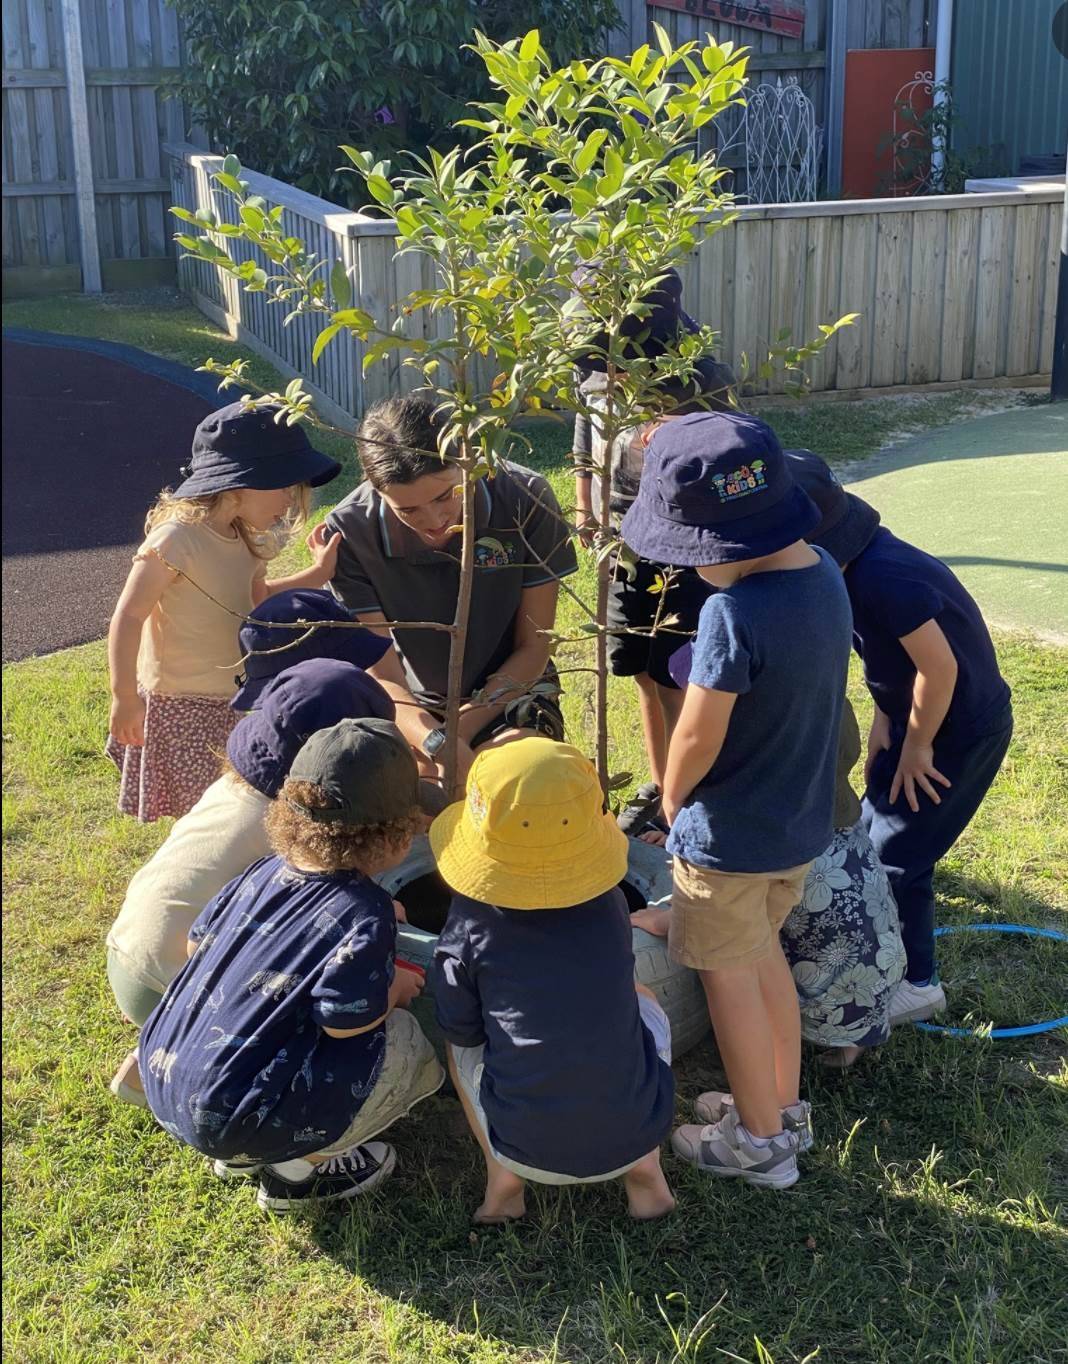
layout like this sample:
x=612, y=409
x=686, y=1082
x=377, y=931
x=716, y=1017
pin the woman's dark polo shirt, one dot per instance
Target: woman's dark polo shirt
x=384, y=566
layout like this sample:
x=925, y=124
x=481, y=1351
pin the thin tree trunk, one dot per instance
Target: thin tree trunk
x=454, y=695
x=604, y=570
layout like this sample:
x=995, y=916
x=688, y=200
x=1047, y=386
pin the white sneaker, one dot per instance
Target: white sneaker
x=913, y=1003
x=713, y=1105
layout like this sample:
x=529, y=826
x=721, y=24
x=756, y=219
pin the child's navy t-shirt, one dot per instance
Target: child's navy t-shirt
x=234, y=1060
x=894, y=589
x=780, y=641
x=572, y=1082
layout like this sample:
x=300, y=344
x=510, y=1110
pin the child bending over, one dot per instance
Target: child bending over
x=563, y=1069
x=283, y=1047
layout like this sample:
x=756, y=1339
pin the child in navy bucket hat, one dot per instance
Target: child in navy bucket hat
x=634, y=603
x=270, y=644
x=750, y=782
x=200, y=570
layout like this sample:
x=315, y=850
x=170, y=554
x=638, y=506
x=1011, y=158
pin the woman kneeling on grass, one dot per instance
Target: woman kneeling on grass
x=284, y=1046
x=399, y=559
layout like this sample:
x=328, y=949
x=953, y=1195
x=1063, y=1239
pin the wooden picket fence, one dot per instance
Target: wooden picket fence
x=951, y=290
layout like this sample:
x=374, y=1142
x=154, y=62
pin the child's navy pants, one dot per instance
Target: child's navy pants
x=910, y=844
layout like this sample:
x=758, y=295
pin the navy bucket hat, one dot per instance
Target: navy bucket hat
x=847, y=522
x=647, y=337
x=261, y=634
x=716, y=489
x=313, y=695
x=244, y=447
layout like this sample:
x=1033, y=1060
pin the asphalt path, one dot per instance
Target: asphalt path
x=91, y=433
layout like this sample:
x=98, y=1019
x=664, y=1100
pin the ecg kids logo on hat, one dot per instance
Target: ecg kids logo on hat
x=750, y=478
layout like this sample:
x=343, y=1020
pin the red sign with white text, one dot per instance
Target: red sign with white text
x=770, y=16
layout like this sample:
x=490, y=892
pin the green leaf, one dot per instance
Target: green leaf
x=324, y=338
x=230, y=182
x=528, y=48
x=382, y=190
x=340, y=285
x=231, y=165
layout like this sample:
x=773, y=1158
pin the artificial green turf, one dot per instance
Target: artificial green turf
x=929, y=1224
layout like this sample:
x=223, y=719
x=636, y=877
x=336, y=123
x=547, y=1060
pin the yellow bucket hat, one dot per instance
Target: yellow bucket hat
x=533, y=832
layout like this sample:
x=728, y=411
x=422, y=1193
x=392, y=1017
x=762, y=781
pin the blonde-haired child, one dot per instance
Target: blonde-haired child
x=173, y=640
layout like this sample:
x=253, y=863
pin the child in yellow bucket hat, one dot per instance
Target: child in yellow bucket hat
x=562, y=1066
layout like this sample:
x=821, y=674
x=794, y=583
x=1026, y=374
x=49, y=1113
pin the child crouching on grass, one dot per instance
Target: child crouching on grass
x=283, y=1046
x=750, y=781
x=563, y=1068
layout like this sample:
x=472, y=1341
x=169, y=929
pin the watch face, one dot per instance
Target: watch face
x=433, y=742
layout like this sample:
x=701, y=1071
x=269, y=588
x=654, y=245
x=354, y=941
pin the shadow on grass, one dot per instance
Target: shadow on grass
x=925, y=1226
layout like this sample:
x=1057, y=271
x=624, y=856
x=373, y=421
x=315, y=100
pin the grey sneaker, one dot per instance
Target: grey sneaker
x=914, y=1003
x=713, y=1105
x=641, y=810
x=726, y=1149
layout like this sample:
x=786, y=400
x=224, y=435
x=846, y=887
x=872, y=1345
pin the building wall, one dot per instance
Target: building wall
x=1009, y=80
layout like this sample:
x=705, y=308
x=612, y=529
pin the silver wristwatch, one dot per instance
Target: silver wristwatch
x=434, y=742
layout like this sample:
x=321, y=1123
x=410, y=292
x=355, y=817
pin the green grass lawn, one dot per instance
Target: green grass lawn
x=929, y=1225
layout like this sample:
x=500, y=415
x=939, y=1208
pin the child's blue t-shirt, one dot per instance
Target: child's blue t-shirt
x=234, y=1060
x=572, y=1082
x=895, y=588
x=780, y=641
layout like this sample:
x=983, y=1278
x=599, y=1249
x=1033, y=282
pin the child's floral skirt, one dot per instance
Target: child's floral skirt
x=843, y=943
x=185, y=739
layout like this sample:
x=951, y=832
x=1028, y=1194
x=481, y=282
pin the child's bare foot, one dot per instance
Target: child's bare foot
x=504, y=1201
x=656, y=837
x=654, y=921
x=126, y=1083
x=648, y=1194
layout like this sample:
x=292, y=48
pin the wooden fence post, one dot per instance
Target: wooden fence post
x=83, y=156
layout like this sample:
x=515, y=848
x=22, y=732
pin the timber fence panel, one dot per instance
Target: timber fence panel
x=104, y=164
x=949, y=289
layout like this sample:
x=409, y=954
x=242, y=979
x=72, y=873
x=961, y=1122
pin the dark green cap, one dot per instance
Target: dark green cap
x=366, y=769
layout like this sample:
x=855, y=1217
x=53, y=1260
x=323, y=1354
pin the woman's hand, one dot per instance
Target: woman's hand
x=878, y=741
x=127, y=722
x=323, y=547
x=916, y=769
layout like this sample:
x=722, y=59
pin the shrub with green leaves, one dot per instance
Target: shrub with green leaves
x=282, y=83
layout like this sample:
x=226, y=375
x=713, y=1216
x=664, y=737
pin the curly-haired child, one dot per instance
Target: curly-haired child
x=283, y=1046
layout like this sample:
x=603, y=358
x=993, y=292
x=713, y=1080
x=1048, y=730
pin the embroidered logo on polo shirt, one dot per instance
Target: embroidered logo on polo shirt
x=491, y=553
x=476, y=804
x=750, y=478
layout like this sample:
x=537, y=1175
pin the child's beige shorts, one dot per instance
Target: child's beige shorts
x=728, y=918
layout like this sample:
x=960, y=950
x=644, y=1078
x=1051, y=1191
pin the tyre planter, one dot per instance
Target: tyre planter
x=417, y=885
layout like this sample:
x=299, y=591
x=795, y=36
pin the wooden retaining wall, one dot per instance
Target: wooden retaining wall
x=954, y=289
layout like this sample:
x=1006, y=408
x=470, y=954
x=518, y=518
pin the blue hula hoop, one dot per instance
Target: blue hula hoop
x=1028, y=1029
